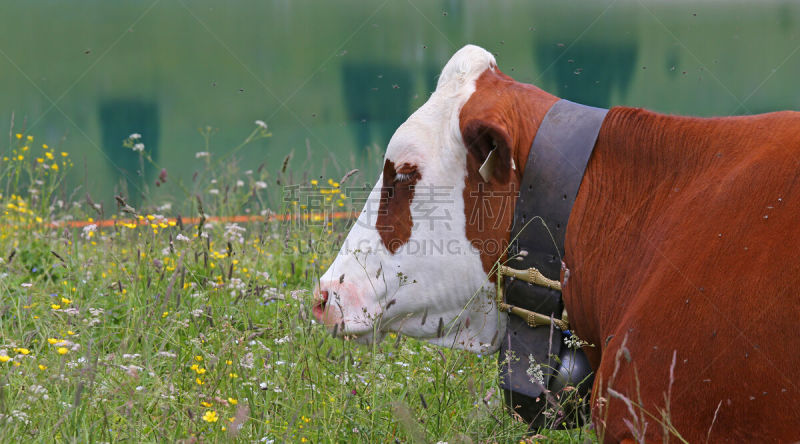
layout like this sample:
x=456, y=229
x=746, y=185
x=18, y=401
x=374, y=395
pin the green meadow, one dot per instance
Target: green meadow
x=165, y=323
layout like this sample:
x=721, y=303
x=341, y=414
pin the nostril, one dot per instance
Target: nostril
x=319, y=304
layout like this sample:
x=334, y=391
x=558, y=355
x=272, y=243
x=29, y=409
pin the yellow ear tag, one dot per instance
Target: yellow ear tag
x=488, y=166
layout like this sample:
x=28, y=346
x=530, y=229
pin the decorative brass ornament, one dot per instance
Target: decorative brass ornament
x=535, y=277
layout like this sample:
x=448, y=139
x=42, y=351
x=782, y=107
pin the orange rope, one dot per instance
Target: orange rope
x=228, y=219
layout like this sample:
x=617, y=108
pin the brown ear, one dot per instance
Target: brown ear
x=480, y=138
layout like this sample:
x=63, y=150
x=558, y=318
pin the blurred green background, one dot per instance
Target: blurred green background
x=333, y=79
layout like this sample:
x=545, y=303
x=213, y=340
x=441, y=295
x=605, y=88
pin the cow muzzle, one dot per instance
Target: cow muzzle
x=345, y=307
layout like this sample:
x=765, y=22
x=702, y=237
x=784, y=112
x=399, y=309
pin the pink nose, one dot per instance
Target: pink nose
x=320, y=299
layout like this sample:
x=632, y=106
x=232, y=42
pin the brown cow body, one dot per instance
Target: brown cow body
x=684, y=239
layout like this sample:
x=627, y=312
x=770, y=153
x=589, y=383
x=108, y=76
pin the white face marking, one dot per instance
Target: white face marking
x=434, y=286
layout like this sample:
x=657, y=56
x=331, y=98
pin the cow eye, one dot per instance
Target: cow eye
x=405, y=177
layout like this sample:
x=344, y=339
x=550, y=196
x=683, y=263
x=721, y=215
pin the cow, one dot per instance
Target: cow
x=680, y=270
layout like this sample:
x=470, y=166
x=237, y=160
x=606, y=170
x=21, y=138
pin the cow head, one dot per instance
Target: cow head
x=419, y=258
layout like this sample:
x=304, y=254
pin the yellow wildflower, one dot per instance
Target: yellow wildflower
x=49, y=155
x=233, y=375
x=199, y=381
x=70, y=332
x=228, y=362
x=19, y=136
x=54, y=166
x=30, y=138
x=23, y=351
x=198, y=358
x=233, y=401
x=55, y=306
x=4, y=358
x=62, y=350
x=66, y=301
x=165, y=314
x=205, y=404
x=42, y=367
x=210, y=416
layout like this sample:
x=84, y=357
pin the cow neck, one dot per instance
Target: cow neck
x=552, y=176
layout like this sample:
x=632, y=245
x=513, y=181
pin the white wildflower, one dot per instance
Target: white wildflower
x=261, y=124
x=135, y=136
x=181, y=237
x=272, y=293
x=88, y=231
x=239, y=183
x=535, y=372
x=166, y=354
x=213, y=191
x=574, y=342
x=96, y=311
x=138, y=147
x=26, y=284
x=16, y=415
x=247, y=361
x=260, y=185
x=237, y=284
x=234, y=233
x=36, y=392
x=200, y=154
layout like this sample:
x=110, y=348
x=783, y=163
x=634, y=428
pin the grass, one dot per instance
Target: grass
x=157, y=329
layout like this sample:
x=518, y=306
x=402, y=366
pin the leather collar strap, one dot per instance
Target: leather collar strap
x=556, y=164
